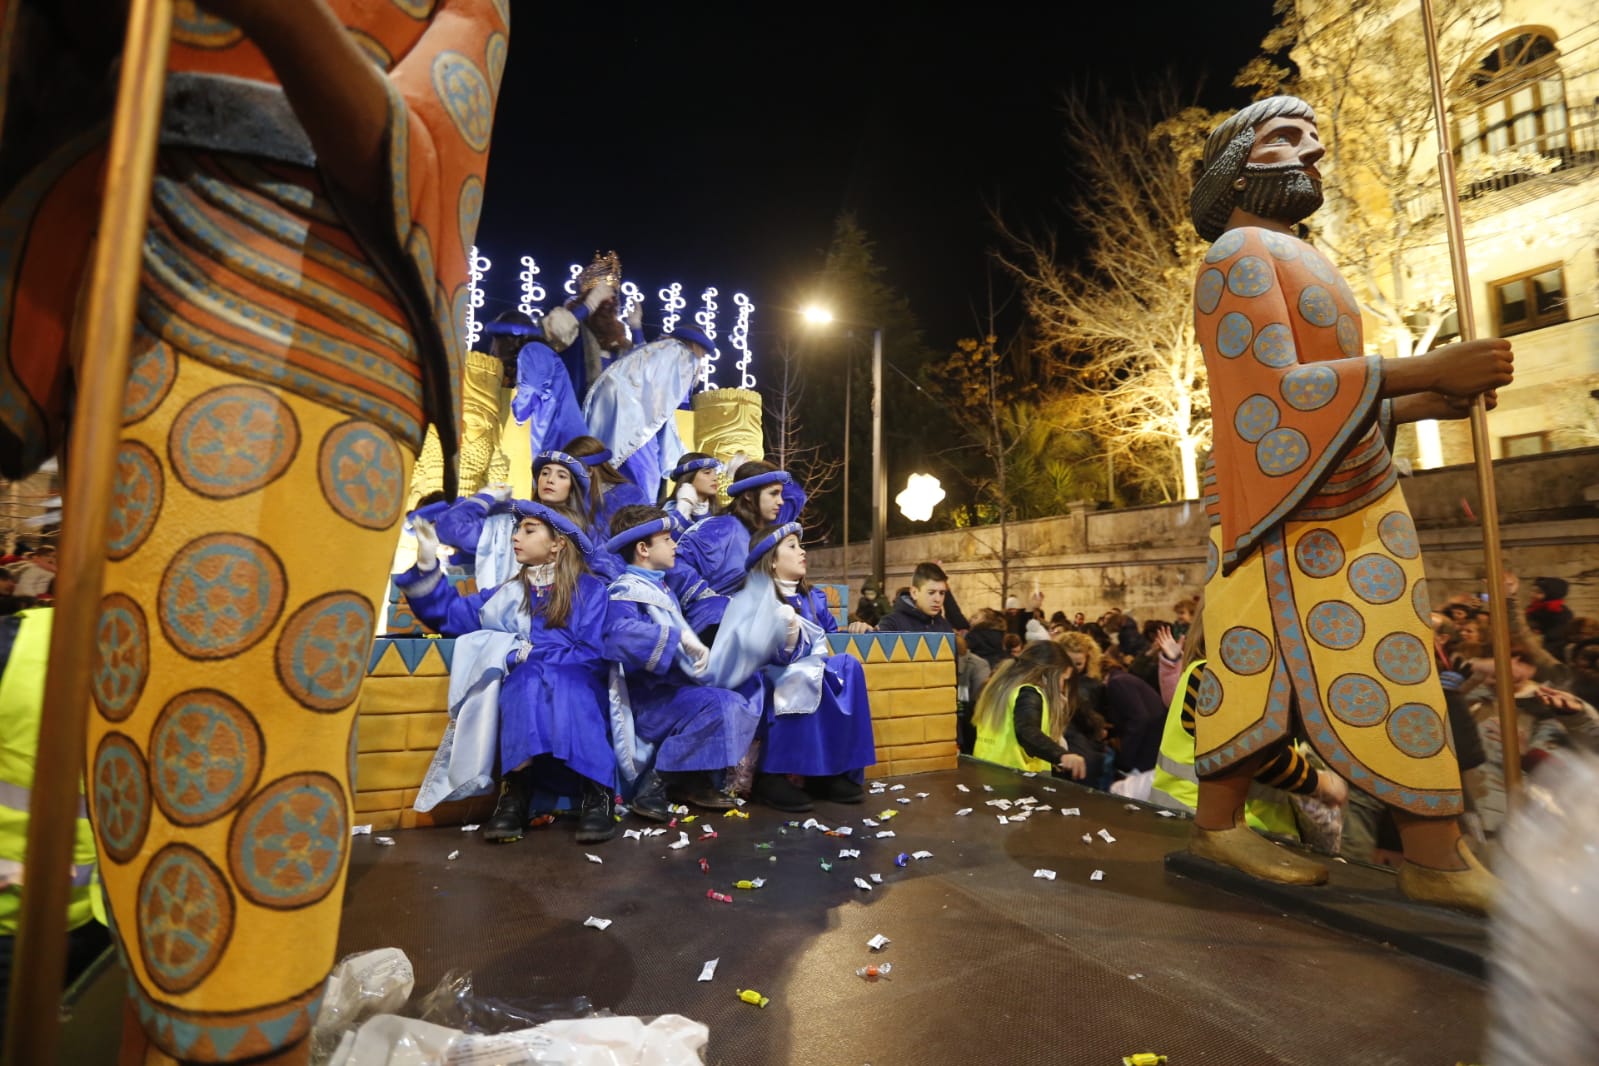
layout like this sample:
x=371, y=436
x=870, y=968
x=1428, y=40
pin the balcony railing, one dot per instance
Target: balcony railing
x=1573, y=148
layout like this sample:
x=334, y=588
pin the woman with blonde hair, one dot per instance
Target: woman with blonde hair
x=1026, y=718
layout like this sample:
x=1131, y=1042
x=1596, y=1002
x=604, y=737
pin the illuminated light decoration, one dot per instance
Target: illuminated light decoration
x=631, y=298
x=575, y=271
x=921, y=494
x=672, y=303
x=740, y=339
x=705, y=318
x=478, y=267
x=533, y=293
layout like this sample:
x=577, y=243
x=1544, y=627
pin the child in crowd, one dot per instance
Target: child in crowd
x=818, y=723
x=608, y=490
x=693, y=729
x=1025, y=718
x=692, y=492
x=711, y=555
x=532, y=688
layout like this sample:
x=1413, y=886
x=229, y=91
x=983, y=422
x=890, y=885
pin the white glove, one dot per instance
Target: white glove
x=697, y=652
x=427, y=544
x=500, y=491
x=790, y=619
x=599, y=294
x=635, y=321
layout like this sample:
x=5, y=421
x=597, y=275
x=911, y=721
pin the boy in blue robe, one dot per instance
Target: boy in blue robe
x=695, y=729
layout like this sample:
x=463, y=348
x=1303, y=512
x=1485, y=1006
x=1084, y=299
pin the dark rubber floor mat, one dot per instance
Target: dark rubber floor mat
x=990, y=963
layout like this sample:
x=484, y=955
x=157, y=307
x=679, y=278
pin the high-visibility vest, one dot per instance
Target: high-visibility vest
x=1001, y=746
x=1176, y=786
x=24, y=652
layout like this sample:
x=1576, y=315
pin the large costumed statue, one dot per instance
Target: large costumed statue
x=299, y=314
x=1315, y=590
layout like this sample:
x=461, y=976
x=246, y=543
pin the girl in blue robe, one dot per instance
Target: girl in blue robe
x=608, y=491
x=688, y=729
x=528, y=680
x=711, y=554
x=691, y=495
x=817, y=719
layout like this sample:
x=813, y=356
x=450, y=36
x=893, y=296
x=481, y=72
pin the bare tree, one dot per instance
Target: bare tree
x=787, y=446
x=1122, y=318
x=1363, y=66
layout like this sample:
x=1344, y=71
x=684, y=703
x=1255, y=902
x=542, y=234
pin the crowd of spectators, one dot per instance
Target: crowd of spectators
x=1097, y=714
x=27, y=577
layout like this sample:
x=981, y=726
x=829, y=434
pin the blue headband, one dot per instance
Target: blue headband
x=771, y=477
x=430, y=513
x=690, y=466
x=642, y=531
x=512, y=329
x=557, y=521
x=689, y=333
x=601, y=456
x=574, y=467
x=770, y=541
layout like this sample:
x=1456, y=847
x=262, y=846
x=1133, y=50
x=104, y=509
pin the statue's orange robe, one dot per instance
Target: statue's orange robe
x=1315, y=598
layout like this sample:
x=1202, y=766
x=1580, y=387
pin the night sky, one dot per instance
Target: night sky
x=718, y=148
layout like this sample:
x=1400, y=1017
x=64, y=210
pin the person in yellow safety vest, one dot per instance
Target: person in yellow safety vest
x=24, y=651
x=1268, y=808
x=1024, y=717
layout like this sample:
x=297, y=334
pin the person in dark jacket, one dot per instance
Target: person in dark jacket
x=986, y=638
x=921, y=608
x=1548, y=615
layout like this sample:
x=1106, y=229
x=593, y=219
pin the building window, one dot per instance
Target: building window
x=1529, y=301
x=1513, y=98
x=1523, y=444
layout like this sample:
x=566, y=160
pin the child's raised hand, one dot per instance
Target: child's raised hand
x=427, y=544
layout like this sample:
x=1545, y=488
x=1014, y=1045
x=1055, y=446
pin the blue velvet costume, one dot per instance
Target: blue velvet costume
x=710, y=560
x=690, y=725
x=553, y=703
x=836, y=736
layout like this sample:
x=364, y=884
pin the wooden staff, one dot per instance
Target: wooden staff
x=1498, y=605
x=34, y=1029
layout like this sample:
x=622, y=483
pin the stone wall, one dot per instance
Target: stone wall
x=1144, y=559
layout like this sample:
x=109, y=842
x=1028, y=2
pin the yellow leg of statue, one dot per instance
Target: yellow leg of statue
x=249, y=537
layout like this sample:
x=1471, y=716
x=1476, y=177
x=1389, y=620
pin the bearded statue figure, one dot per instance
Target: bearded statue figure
x=1314, y=566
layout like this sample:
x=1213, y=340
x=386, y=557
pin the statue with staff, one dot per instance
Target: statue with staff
x=1315, y=592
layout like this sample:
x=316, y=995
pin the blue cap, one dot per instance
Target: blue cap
x=556, y=521
x=690, y=466
x=642, y=531
x=689, y=333
x=573, y=465
x=758, y=481
x=770, y=541
x=599, y=457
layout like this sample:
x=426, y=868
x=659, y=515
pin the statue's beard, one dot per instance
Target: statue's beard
x=1279, y=191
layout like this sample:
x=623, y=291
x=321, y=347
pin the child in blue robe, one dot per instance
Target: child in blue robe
x=711, y=555
x=818, y=721
x=695, y=729
x=528, y=680
x=691, y=496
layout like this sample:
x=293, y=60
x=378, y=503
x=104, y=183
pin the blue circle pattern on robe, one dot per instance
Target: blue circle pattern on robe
x=1417, y=730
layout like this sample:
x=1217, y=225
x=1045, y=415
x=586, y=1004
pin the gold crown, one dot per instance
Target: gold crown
x=605, y=267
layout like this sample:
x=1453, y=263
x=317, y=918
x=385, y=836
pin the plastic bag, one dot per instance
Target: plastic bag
x=360, y=986
x=670, y=1040
x=452, y=1004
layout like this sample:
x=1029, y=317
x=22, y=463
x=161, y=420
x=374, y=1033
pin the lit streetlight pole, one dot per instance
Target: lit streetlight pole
x=821, y=316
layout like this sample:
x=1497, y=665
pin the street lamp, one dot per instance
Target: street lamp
x=817, y=315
